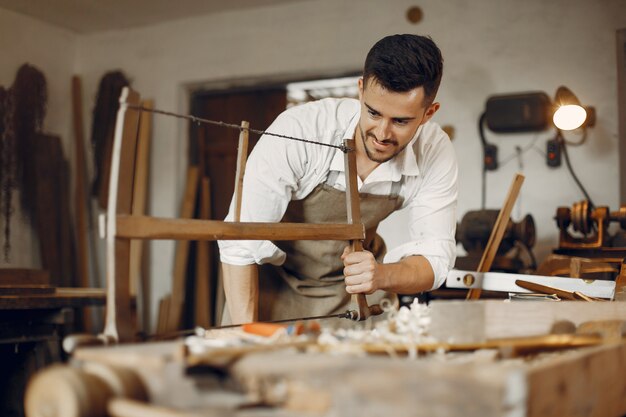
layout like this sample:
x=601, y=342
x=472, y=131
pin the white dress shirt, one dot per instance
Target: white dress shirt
x=279, y=170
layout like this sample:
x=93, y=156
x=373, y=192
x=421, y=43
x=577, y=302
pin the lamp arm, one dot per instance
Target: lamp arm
x=562, y=144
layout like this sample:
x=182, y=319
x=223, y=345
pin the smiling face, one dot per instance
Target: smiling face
x=389, y=120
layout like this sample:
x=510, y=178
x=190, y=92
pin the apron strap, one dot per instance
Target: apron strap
x=394, y=191
x=332, y=178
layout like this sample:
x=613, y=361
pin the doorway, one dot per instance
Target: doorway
x=214, y=150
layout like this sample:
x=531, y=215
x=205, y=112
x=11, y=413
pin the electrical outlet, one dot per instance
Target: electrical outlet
x=553, y=153
x=490, y=158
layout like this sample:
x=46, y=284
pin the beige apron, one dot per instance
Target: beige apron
x=311, y=280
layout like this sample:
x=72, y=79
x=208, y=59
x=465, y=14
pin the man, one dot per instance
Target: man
x=403, y=161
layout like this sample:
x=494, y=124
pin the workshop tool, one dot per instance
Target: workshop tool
x=592, y=223
x=497, y=233
x=473, y=233
x=348, y=314
x=121, y=226
x=545, y=289
x=506, y=282
x=354, y=217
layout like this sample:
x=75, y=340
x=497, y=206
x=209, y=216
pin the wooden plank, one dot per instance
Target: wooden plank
x=182, y=253
x=22, y=276
x=81, y=197
x=118, y=321
x=61, y=298
x=343, y=385
x=140, y=190
x=462, y=322
x=26, y=289
x=620, y=44
x=498, y=232
x=47, y=158
x=139, y=275
x=242, y=156
x=80, y=175
x=588, y=382
x=203, y=297
x=144, y=227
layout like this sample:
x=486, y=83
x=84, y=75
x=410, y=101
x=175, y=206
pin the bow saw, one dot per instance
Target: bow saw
x=122, y=226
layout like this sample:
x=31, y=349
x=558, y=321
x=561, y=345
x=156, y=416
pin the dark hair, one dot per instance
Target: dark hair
x=401, y=63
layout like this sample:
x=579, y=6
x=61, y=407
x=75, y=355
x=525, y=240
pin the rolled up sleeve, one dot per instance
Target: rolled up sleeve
x=272, y=173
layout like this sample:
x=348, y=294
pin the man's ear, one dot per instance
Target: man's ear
x=432, y=109
x=361, y=88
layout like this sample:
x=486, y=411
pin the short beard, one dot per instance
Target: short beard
x=372, y=157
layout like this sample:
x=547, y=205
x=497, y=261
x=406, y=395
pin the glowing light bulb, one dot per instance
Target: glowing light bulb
x=569, y=117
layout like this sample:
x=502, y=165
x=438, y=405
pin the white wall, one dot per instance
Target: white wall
x=52, y=51
x=490, y=46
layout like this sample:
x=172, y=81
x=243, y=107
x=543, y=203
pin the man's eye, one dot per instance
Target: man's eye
x=372, y=113
x=401, y=122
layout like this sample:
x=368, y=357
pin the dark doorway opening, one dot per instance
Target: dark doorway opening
x=214, y=150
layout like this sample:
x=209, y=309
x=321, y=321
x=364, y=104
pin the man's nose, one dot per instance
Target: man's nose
x=382, y=130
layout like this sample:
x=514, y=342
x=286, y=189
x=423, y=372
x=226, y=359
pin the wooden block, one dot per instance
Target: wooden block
x=478, y=321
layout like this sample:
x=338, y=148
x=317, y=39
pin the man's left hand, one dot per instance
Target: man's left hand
x=361, y=272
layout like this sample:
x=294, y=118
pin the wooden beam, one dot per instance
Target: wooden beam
x=145, y=227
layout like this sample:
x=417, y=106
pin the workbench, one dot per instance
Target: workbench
x=157, y=380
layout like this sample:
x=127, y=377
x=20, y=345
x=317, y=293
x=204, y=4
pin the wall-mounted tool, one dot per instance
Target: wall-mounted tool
x=585, y=227
x=473, y=233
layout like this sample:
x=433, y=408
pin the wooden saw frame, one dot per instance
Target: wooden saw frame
x=122, y=227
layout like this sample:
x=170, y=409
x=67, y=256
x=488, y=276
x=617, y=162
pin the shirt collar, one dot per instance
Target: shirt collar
x=404, y=163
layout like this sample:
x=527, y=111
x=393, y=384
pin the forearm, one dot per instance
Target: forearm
x=411, y=275
x=241, y=286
